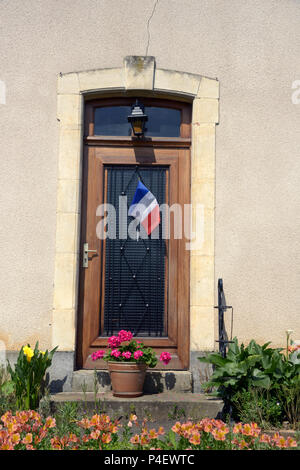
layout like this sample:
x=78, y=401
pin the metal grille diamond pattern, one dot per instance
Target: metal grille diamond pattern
x=135, y=269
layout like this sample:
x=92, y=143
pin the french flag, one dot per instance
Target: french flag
x=145, y=208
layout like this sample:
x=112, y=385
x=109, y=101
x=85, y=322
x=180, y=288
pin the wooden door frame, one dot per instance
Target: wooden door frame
x=133, y=151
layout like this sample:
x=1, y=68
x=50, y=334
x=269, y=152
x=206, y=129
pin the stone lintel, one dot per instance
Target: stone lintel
x=139, y=72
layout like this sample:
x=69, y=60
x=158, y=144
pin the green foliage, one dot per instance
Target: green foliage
x=28, y=375
x=257, y=367
x=174, y=443
x=7, y=389
x=66, y=418
x=258, y=406
x=289, y=396
x=251, y=366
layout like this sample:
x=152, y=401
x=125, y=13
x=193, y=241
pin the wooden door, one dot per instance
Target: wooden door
x=139, y=285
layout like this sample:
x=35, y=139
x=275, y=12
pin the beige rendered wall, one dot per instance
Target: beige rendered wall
x=253, y=48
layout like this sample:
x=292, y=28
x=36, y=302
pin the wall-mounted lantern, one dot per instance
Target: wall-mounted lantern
x=137, y=119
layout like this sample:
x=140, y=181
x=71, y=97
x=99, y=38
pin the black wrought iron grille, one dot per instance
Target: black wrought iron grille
x=135, y=268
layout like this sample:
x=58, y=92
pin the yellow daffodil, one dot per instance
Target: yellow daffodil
x=29, y=353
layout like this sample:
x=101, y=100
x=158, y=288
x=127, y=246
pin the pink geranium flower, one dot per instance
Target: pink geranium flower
x=126, y=354
x=138, y=354
x=97, y=355
x=165, y=357
x=114, y=342
x=124, y=336
x=115, y=353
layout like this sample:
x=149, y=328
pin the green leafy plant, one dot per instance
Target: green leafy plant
x=289, y=396
x=28, y=375
x=66, y=418
x=256, y=405
x=7, y=395
x=255, y=366
x=243, y=367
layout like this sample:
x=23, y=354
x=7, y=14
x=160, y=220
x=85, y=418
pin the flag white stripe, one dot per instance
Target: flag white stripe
x=138, y=210
x=149, y=209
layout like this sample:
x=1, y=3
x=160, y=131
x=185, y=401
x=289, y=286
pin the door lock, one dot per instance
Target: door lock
x=86, y=251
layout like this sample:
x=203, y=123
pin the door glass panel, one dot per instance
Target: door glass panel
x=112, y=121
x=134, y=272
x=163, y=122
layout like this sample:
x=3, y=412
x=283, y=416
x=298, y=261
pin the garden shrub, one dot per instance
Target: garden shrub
x=245, y=370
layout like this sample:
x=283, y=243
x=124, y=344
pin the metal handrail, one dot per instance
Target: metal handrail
x=222, y=307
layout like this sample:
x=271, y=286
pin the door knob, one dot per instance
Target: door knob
x=86, y=251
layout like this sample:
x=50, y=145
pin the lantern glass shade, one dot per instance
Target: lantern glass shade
x=138, y=126
x=137, y=119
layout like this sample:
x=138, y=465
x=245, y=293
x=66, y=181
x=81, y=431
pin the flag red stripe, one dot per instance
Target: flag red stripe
x=152, y=220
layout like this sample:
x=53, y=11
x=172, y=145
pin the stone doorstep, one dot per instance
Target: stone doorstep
x=155, y=381
x=161, y=408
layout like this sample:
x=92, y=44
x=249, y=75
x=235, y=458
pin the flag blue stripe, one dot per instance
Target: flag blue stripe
x=140, y=192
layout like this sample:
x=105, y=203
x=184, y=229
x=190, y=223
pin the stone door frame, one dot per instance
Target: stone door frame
x=141, y=75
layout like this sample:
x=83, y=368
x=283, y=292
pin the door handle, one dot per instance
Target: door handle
x=86, y=251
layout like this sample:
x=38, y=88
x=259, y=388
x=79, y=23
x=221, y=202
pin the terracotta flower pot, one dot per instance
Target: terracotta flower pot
x=127, y=378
